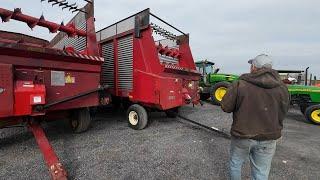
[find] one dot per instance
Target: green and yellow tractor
(308, 99)
(305, 96)
(213, 85)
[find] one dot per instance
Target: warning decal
(69, 79)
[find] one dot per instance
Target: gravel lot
(166, 149)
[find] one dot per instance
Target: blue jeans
(259, 153)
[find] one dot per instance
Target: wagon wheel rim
(133, 118)
(315, 115)
(220, 92)
(74, 123)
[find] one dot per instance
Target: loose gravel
(166, 149)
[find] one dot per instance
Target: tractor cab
(213, 84)
(206, 68)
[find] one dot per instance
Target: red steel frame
(27, 67)
(156, 85)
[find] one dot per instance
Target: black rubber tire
(309, 111)
(142, 117)
(172, 113)
(93, 111)
(80, 120)
(303, 108)
(204, 96)
(214, 88)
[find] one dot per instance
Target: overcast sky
(228, 32)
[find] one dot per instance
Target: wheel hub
(74, 123)
(220, 92)
(315, 115)
(133, 118)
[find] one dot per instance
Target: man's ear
(253, 68)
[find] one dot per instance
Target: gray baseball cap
(261, 61)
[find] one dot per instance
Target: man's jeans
(260, 154)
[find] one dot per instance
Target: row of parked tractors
(214, 85)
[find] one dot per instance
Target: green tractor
(213, 84)
(308, 99)
(306, 96)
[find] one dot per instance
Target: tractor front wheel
(218, 91)
(303, 108)
(80, 120)
(312, 114)
(137, 117)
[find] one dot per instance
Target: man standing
(259, 102)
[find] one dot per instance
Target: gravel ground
(166, 149)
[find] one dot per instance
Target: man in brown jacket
(259, 102)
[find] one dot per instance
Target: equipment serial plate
(57, 78)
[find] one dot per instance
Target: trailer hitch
(214, 129)
(55, 167)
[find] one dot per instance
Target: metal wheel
(218, 91)
(315, 115)
(312, 114)
(133, 118)
(137, 117)
(80, 120)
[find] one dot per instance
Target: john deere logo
(1, 90)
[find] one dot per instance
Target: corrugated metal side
(125, 62)
(108, 65)
(79, 43)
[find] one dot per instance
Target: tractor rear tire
(217, 92)
(80, 120)
(303, 108)
(312, 114)
(172, 113)
(137, 117)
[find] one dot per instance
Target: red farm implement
(144, 73)
(49, 80)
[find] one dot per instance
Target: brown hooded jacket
(259, 102)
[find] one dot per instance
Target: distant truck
(212, 84)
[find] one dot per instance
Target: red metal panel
(26, 95)
(72, 83)
(6, 91)
(157, 86)
(171, 96)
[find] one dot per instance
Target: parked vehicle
(213, 85)
(145, 74)
(41, 80)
